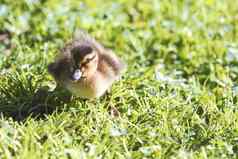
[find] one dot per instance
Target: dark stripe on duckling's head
(79, 52)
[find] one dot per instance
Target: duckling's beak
(77, 74)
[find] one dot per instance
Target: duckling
(85, 67)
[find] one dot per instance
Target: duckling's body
(86, 68)
(94, 87)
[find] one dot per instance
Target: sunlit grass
(177, 99)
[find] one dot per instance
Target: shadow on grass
(23, 97)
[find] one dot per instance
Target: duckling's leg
(114, 112)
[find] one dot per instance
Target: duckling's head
(85, 62)
(81, 64)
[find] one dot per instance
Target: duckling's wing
(110, 58)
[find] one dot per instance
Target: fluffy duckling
(85, 67)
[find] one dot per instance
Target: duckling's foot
(114, 112)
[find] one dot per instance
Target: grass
(178, 98)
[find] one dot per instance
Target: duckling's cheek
(82, 69)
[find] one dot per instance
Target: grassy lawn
(177, 99)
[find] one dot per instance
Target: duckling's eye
(88, 60)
